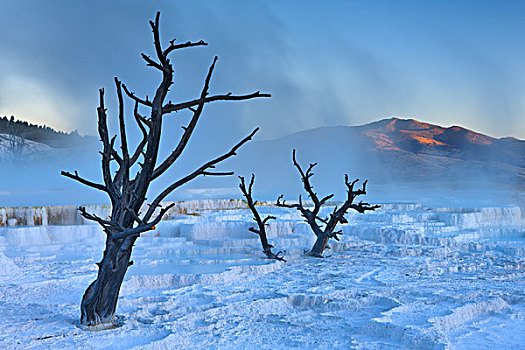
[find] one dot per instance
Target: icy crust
(238, 229)
(7, 266)
(224, 273)
(43, 235)
(404, 277)
(483, 217)
(463, 314)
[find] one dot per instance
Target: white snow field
(404, 277)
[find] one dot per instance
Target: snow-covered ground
(15, 146)
(404, 277)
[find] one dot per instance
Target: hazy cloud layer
(336, 63)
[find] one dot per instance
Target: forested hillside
(40, 133)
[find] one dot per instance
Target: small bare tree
(128, 193)
(337, 216)
(261, 223)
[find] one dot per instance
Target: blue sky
(325, 62)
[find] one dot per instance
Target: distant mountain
(42, 134)
(391, 153)
(22, 142)
(409, 135)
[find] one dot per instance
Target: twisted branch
(261, 223)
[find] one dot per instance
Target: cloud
(38, 101)
(336, 65)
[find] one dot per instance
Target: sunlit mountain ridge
(392, 153)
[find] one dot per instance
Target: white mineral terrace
(404, 277)
(69, 215)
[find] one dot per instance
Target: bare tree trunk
(100, 299)
(336, 217)
(261, 224)
(319, 246)
(128, 193)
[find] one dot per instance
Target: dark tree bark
(127, 193)
(261, 223)
(337, 216)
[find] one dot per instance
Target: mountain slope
(42, 134)
(456, 142)
(391, 153)
(13, 148)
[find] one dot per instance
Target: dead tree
(127, 193)
(337, 216)
(261, 223)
